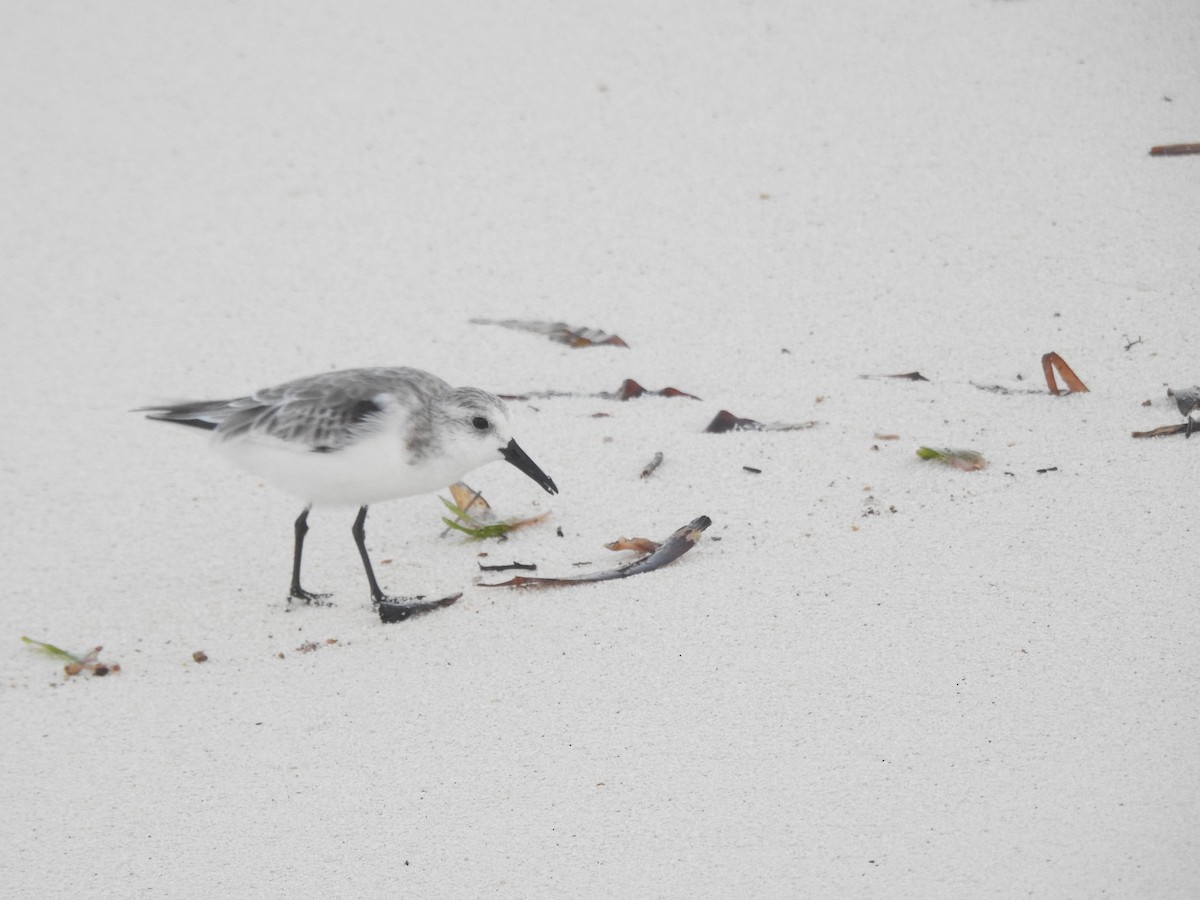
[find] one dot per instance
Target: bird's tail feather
(207, 414)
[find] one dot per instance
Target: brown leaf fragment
(200, 656)
(1175, 150)
(727, 421)
(637, 545)
(679, 543)
(1051, 362)
(558, 331)
(886, 437)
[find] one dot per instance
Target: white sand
(989, 692)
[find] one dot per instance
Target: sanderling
(357, 437)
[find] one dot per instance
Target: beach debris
(199, 656)
(727, 421)
(1051, 362)
(1175, 150)
(886, 437)
(1047, 469)
(478, 530)
(312, 646)
(504, 567)
(679, 543)
(75, 663)
(752, 470)
(629, 390)
(404, 607)
(558, 331)
(964, 460)
(649, 468)
(902, 376)
(1163, 431)
(473, 515)
(637, 545)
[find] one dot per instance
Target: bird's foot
(397, 609)
(308, 598)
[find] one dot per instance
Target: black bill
(518, 457)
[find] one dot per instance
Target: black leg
(297, 592)
(390, 609)
(360, 540)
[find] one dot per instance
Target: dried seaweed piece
(652, 465)
(1052, 361)
(965, 460)
(1175, 150)
(727, 421)
(679, 543)
(558, 331)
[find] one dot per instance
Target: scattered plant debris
(1051, 362)
(402, 608)
(752, 470)
(886, 437)
(727, 421)
(966, 460)
(88, 662)
(1047, 469)
(1175, 150)
(1129, 345)
(629, 390)
(311, 646)
(679, 543)
(558, 331)
(200, 656)
(478, 530)
(504, 567)
(474, 516)
(652, 465)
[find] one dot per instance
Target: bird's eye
(480, 423)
